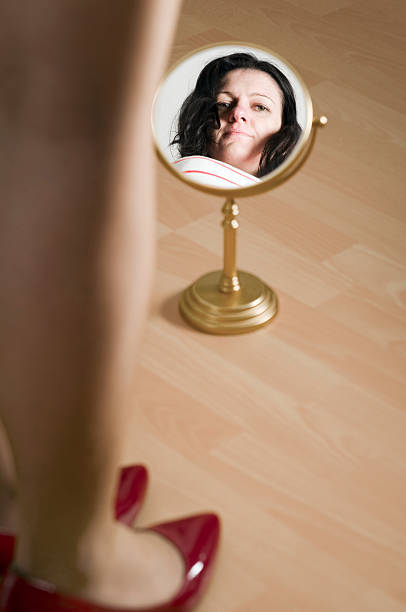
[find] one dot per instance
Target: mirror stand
(228, 301)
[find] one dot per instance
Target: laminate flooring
(295, 434)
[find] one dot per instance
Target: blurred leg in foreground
(76, 255)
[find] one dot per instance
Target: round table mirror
(232, 119)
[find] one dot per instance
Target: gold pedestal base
(208, 309)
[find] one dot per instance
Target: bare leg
(8, 496)
(76, 254)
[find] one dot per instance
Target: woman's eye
(223, 105)
(260, 107)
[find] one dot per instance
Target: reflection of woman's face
(250, 111)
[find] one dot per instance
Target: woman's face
(250, 109)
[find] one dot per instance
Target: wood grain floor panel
(295, 434)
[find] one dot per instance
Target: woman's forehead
(251, 80)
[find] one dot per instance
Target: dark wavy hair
(199, 115)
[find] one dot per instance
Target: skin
(250, 110)
(77, 223)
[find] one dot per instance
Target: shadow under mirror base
(208, 309)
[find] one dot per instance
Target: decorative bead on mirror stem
(229, 281)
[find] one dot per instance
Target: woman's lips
(239, 132)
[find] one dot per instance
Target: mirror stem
(229, 281)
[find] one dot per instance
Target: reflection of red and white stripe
(213, 172)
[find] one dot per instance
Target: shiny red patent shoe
(130, 495)
(7, 543)
(195, 537)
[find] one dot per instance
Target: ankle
(138, 568)
(8, 507)
(70, 562)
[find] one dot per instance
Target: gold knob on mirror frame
(320, 121)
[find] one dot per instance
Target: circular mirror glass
(232, 118)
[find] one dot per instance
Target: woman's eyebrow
(263, 95)
(229, 93)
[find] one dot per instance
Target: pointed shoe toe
(195, 537)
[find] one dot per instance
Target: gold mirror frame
(229, 301)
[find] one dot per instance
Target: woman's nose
(238, 113)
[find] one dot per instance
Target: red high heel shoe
(195, 537)
(130, 494)
(129, 498)
(7, 543)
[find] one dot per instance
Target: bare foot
(146, 570)
(131, 568)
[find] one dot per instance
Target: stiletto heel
(195, 537)
(130, 495)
